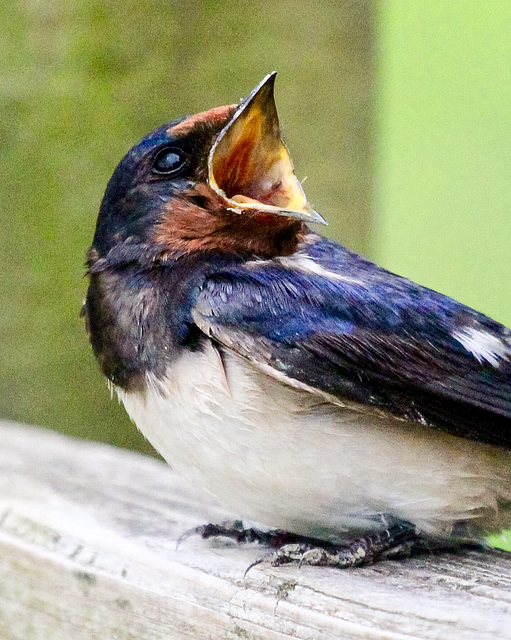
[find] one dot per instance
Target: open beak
(249, 166)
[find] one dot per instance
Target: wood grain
(88, 550)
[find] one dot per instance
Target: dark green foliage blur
(80, 82)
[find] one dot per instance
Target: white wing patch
(483, 345)
(304, 264)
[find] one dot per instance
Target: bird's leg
(419, 545)
(399, 539)
(365, 550)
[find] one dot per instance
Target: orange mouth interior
(249, 165)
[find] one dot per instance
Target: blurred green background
(397, 112)
(443, 138)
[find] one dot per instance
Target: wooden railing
(88, 551)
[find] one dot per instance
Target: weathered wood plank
(87, 550)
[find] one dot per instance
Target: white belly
(292, 460)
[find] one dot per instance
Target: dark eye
(169, 161)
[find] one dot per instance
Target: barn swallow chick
(302, 386)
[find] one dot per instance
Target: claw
(194, 531)
(255, 563)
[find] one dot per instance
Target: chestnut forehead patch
(215, 115)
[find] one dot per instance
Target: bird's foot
(397, 541)
(235, 530)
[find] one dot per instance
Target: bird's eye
(169, 161)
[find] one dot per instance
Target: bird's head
(218, 180)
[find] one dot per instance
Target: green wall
(443, 162)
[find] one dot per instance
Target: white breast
(292, 460)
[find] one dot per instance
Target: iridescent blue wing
(338, 324)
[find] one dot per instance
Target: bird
(345, 411)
